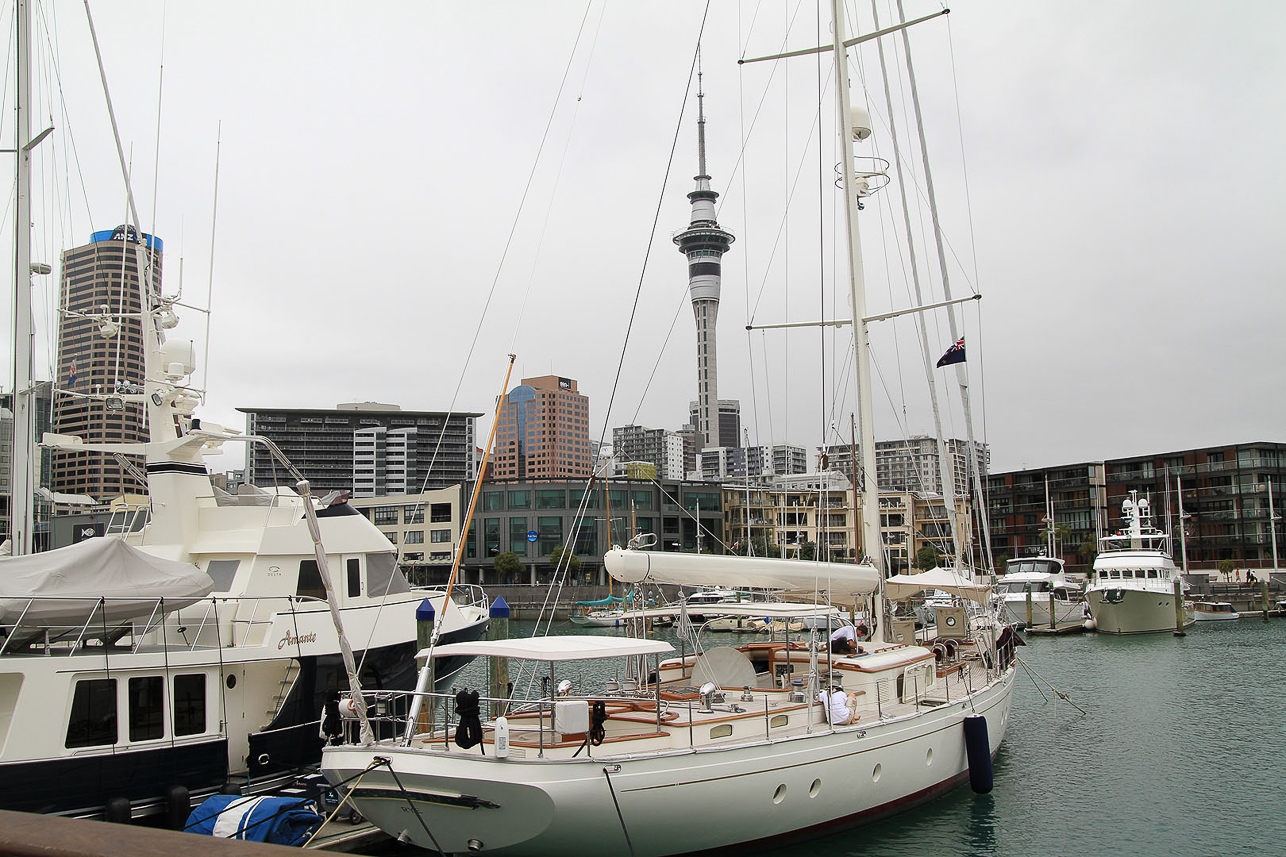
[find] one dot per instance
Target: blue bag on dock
(278, 820)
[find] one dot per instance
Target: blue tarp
(279, 820)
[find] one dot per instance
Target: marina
(481, 631)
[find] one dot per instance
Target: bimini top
(633, 566)
(902, 586)
(582, 648)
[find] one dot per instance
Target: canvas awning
(899, 587)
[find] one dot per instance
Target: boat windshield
(1013, 588)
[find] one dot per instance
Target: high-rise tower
(704, 242)
(100, 352)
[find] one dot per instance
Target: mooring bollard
(1264, 584)
(1178, 608)
(1053, 617)
(1029, 621)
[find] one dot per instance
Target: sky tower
(704, 242)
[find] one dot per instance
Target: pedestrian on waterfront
(1250, 576)
(1238, 575)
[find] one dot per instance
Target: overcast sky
(1109, 177)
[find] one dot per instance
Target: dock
(1059, 628)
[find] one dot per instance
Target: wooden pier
(1059, 628)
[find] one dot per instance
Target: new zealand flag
(955, 354)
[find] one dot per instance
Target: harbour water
(1181, 751)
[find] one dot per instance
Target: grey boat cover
(61, 587)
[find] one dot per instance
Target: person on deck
(841, 707)
(844, 641)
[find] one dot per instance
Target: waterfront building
(424, 526)
(704, 242)
(100, 353)
(543, 432)
(911, 464)
(662, 447)
(369, 448)
(1225, 504)
(786, 459)
(533, 518)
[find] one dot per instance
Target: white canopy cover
(580, 648)
(687, 569)
(903, 586)
(60, 587)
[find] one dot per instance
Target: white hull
(1139, 611)
(791, 788)
(1202, 616)
(597, 621)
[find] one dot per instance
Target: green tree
(1088, 550)
(556, 559)
(1226, 568)
(927, 557)
(807, 550)
(509, 566)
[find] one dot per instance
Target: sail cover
(685, 569)
(903, 586)
(62, 587)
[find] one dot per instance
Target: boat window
(354, 568)
(1115, 574)
(1041, 586)
(383, 577)
(310, 582)
(93, 714)
(723, 730)
(1027, 566)
(146, 708)
(222, 571)
(189, 704)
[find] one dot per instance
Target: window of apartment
(93, 714)
(551, 499)
(414, 515)
(518, 536)
(493, 501)
(440, 513)
(384, 515)
(146, 708)
(189, 704)
(413, 537)
(440, 536)
(490, 536)
(642, 500)
(520, 500)
(471, 542)
(549, 531)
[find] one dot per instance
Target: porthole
(231, 682)
(815, 789)
(779, 795)
(723, 730)
(875, 774)
(779, 720)
(928, 757)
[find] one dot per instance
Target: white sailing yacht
(735, 747)
(1133, 591)
(193, 644)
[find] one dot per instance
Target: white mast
(1272, 524)
(857, 127)
(1183, 528)
(22, 481)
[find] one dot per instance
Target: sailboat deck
(634, 725)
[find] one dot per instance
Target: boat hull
(1134, 611)
(662, 804)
